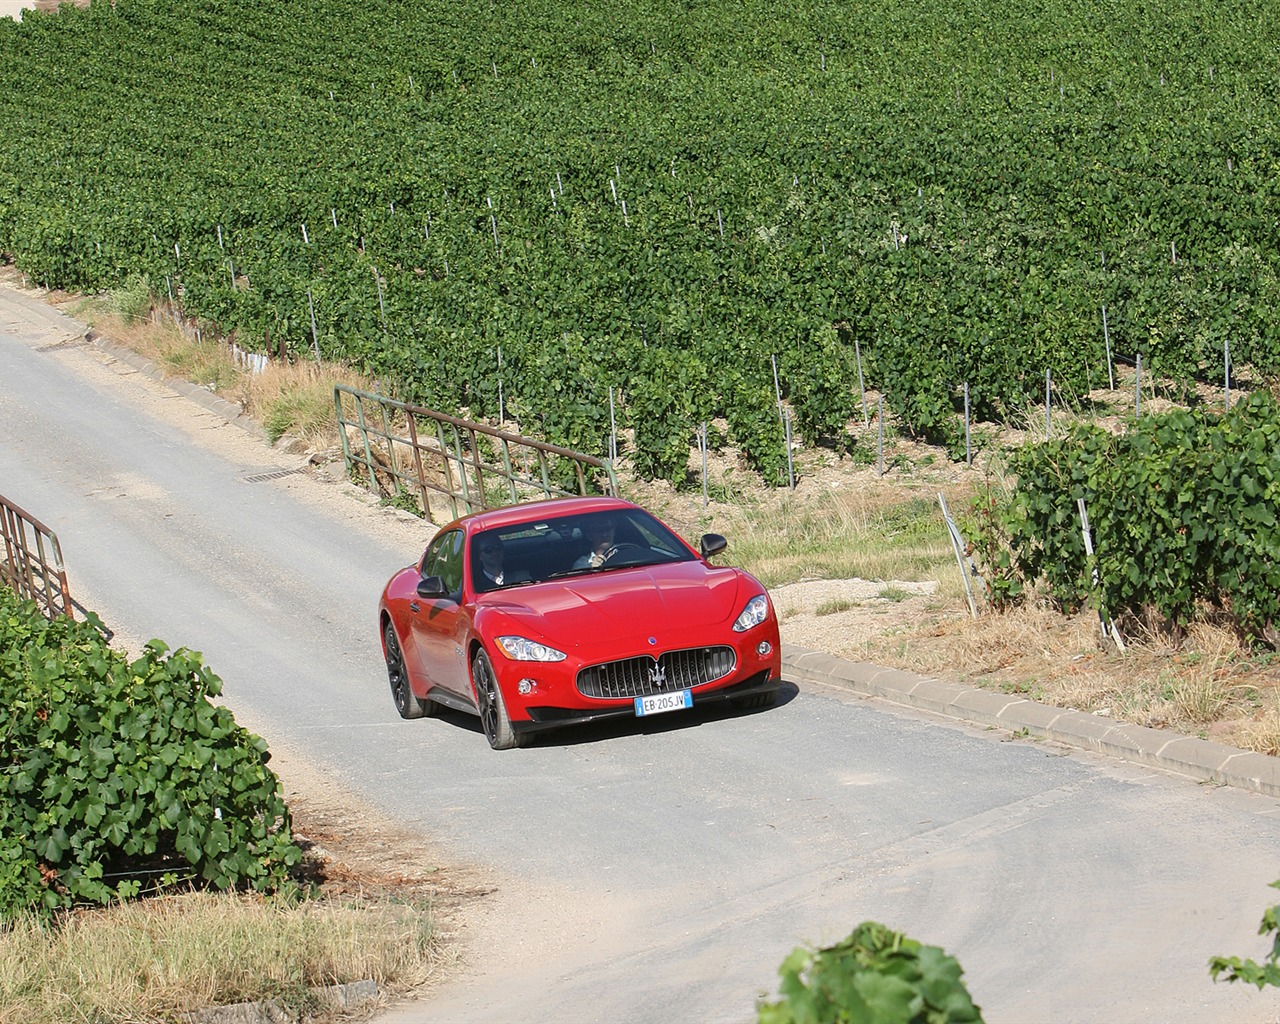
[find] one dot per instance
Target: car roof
(511, 515)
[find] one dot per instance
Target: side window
(450, 566)
(444, 559)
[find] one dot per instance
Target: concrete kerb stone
(75, 331)
(1200, 759)
(354, 996)
(206, 399)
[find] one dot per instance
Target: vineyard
(667, 214)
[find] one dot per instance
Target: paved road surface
(649, 873)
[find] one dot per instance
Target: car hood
(606, 607)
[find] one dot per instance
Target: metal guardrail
(404, 449)
(32, 565)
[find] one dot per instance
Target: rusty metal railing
(32, 566)
(402, 449)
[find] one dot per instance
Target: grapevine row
(667, 204)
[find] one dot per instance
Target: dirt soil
(353, 849)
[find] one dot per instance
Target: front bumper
(542, 718)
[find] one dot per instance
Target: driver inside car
(599, 532)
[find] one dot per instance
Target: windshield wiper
(574, 572)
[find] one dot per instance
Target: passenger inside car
(489, 567)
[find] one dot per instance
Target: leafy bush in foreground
(114, 773)
(1233, 968)
(875, 976)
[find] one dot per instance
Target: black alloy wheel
(406, 702)
(493, 709)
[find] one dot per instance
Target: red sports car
(556, 612)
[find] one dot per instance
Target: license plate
(657, 703)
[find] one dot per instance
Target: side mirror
(712, 544)
(432, 587)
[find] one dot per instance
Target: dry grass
(287, 398)
(1207, 685)
(296, 399)
(155, 959)
(874, 532)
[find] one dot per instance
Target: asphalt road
(653, 872)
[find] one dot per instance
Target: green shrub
(115, 774)
(132, 300)
(1233, 968)
(674, 397)
(1182, 509)
(875, 976)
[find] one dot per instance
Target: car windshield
(554, 548)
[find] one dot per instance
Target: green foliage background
(115, 775)
(959, 185)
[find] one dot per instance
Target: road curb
(75, 331)
(203, 397)
(1203, 760)
(353, 997)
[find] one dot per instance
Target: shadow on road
(616, 728)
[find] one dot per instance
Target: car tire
(756, 700)
(493, 709)
(406, 701)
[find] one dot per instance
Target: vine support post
(382, 306)
(880, 436)
(968, 446)
(786, 429)
(862, 387)
(958, 546)
(702, 447)
(1137, 387)
(1106, 338)
(1048, 404)
(315, 338)
(613, 428)
(1226, 374)
(1107, 625)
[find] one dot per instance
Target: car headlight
(756, 611)
(518, 648)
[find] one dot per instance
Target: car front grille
(674, 670)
